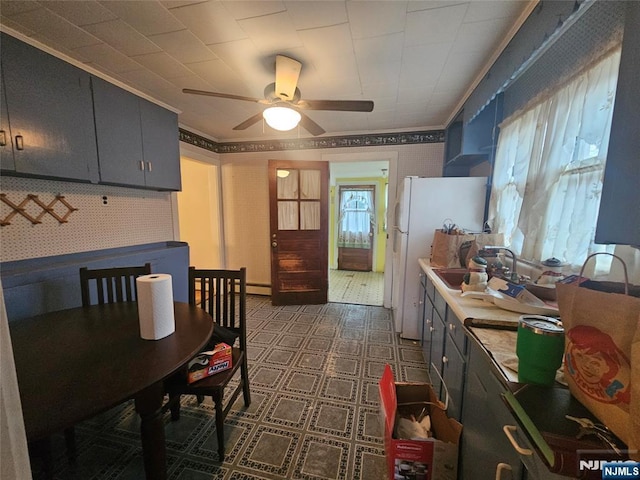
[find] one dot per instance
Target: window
(549, 167)
(357, 216)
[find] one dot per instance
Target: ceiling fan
(283, 98)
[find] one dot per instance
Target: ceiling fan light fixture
(281, 118)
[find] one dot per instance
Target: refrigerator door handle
(396, 233)
(396, 217)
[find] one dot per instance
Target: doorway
(199, 213)
(356, 227)
(357, 263)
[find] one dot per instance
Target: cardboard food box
(434, 458)
(209, 363)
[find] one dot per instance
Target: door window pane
(310, 184)
(309, 215)
(287, 215)
(287, 181)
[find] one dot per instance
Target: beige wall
(199, 213)
(245, 200)
(245, 192)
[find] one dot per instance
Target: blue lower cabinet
(454, 366)
(485, 450)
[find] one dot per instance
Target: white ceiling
(417, 60)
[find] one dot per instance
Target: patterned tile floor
(362, 288)
(314, 413)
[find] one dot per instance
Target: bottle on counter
(475, 280)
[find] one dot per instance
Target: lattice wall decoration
(46, 208)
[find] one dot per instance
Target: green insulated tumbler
(539, 346)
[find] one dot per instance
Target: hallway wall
(199, 213)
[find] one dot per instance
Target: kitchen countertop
(501, 346)
(495, 329)
(471, 311)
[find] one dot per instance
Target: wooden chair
(108, 285)
(221, 293)
(111, 284)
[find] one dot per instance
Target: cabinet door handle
(3, 138)
(142, 165)
(508, 429)
(501, 467)
(431, 329)
(452, 327)
(19, 142)
(149, 166)
(445, 359)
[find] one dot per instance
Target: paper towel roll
(155, 306)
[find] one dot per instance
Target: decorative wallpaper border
(367, 140)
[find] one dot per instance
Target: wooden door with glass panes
(298, 198)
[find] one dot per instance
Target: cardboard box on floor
(429, 459)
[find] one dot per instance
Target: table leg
(154, 450)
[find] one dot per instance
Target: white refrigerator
(422, 206)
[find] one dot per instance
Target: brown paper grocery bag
(481, 240)
(445, 250)
(602, 356)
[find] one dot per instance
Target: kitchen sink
(452, 277)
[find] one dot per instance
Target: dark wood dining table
(74, 364)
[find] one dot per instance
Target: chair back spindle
(111, 285)
(221, 293)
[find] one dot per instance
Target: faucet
(514, 275)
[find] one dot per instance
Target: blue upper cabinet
(6, 139)
(471, 141)
(160, 146)
(58, 121)
(47, 115)
(619, 217)
(117, 116)
(137, 139)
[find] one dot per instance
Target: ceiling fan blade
(337, 105)
(287, 74)
(222, 95)
(310, 126)
(249, 121)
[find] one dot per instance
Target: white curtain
(356, 217)
(549, 167)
